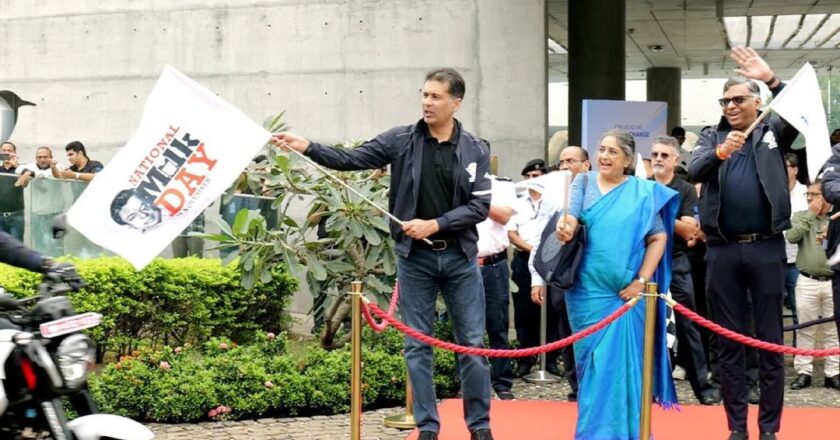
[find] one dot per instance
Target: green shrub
(170, 302)
(258, 379)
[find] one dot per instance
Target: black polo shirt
(91, 166)
(744, 207)
(11, 196)
(437, 178)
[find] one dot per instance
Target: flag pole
(353, 190)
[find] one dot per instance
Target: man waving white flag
(189, 148)
(800, 104)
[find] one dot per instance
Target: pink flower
(270, 336)
(178, 349)
(212, 413)
(223, 346)
(165, 365)
(268, 384)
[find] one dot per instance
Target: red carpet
(543, 420)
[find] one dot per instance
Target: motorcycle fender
(6, 349)
(96, 426)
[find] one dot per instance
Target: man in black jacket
(744, 208)
(440, 190)
(831, 193)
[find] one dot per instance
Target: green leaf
(372, 236)
(316, 268)
(282, 162)
(240, 222)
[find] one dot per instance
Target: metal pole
(647, 374)
(406, 420)
(542, 376)
(356, 362)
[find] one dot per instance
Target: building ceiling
(694, 36)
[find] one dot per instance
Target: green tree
(352, 244)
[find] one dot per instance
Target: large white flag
(800, 104)
(189, 148)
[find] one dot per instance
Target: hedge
(221, 380)
(170, 302)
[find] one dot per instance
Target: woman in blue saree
(627, 246)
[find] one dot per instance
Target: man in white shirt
(47, 199)
(493, 243)
(797, 203)
(532, 214)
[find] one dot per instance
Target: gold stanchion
(405, 420)
(356, 362)
(647, 374)
(494, 164)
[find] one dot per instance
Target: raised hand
(751, 64)
(288, 141)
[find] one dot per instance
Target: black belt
(10, 213)
(750, 238)
(439, 244)
(492, 259)
(815, 277)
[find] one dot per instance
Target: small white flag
(641, 172)
(800, 104)
(190, 146)
(553, 186)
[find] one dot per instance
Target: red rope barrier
(746, 340)
(526, 352)
(379, 327)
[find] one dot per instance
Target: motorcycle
(44, 363)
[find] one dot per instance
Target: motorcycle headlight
(74, 354)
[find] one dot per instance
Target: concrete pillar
(596, 56)
(665, 84)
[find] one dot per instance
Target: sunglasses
(657, 154)
(738, 100)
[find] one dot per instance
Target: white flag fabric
(800, 104)
(553, 186)
(640, 172)
(190, 147)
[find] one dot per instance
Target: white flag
(640, 172)
(800, 104)
(554, 188)
(190, 146)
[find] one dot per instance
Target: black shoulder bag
(558, 262)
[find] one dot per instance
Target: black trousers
(526, 314)
(564, 330)
(734, 269)
(689, 344)
(835, 295)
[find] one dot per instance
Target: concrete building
(342, 69)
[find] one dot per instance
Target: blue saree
(609, 363)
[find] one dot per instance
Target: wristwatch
(642, 280)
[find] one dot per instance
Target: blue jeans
(496, 278)
(12, 223)
(421, 276)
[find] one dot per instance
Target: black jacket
(14, 253)
(830, 175)
(705, 168)
(402, 147)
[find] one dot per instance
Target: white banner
(800, 104)
(189, 148)
(644, 120)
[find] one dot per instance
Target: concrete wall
(342, 69)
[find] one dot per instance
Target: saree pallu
(609, 363)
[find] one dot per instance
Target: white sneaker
(678, 373)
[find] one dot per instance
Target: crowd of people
(734, 230)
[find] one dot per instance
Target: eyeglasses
(568, 161)
(738, 100)
(532, 175)
(657, 154)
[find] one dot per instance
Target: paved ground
(338, 427)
